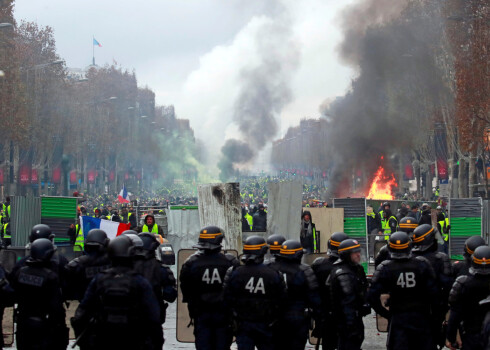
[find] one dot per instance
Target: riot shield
(8, 258)
(8, 326)
(381, 322)
(379, 242)
(70, 312)
(308, 259)
(185, 331)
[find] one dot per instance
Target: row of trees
(101, 130)
(419, 104)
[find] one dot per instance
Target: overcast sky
(190, 52)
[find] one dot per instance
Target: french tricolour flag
(123, 195)
(112, 228)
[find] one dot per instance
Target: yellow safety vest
(123, 218)
(79, 241)
(250, 220)
(5, 227)
(6, 210)
(154, 229)
(385, 225)
(314, 239)
(444, 223)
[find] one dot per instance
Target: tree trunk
(416, 168)
(461, 178)
(16, 186)
(6, 171)
(472, 174)
(401, 182)
(450, 169)
(428, 182)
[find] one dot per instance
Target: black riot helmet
(408, 224)
(347, 247)
(480, 261)
(334, 243)
(471, 244)
(210, 238)
(291, 250)
(42, 250)
(399, 245)
(423, 238)
(150, 242)
(41, 231)
(96, 241)
(275, 242)
(137, 243)
(121, 249)
(254, 249)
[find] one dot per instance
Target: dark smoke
(358, 18)
(234, 151)
(264, 91)
(388, 108)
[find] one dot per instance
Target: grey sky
(189, 51)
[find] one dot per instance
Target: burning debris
(382, 185)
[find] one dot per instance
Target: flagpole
(93, 50)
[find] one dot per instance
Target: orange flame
(382, 186)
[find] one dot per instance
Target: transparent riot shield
(70, 312)
(381, 322)
(8, 258)
(8, 326)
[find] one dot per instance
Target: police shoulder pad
(318, 261)
(304, 267)
(422, 259)
(441, 256)
(383, 264)
(461, 279)
(73, 264)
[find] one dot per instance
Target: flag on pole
(112, 228)
(123, 195)
(96, 43)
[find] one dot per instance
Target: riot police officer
(119, 309)
(462, 267)
(325, 326)
(348, 285)
(425, 244)
(160, 276)
(255, 293)
(40, 313)
(58, 262)
(411, 285)
(274, 242)
(302, 294)
(201, 282)
(407, 225)
(81, 270)
(466, 293)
